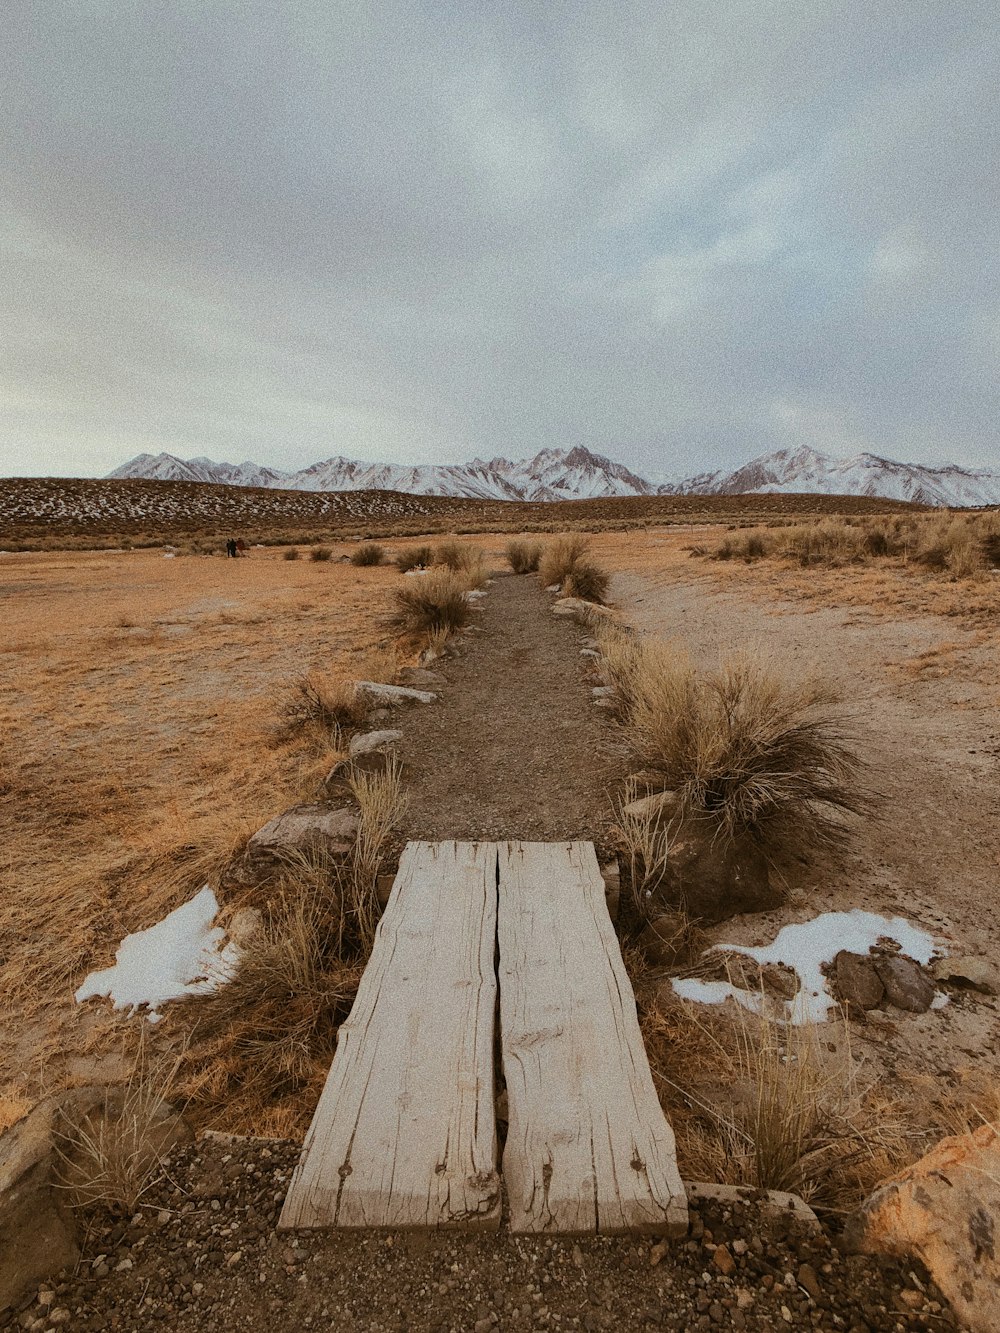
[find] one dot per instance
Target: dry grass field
(141, 740)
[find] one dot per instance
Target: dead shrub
(523, 556)
(433, 605)
(291, 554)
(558, 558)
(368, 553)
(754, 752)
(451, 554)
(321, 553)
(588, 582)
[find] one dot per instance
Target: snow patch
(805, 947)
(180, 955)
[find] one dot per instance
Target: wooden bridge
(491, 956)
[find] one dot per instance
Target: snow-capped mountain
(554, 474)
(578, 474)
(805, 470)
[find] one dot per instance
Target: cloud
(425, 231)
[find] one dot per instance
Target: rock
(856, 980)
(906, 984)
(373, 740)
(603, 691)
(570, 606)
(809, 1282)
(665, 939)
(776, 1203)
(320, 826)
(945, 1209)
(710, 879)
(589, 652)
(394, 694)
(659, 805)
(245, 925)
(979, 973)
(724, 1261)
(420, 677)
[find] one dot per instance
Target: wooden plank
(588, 1146)
(405, 1133)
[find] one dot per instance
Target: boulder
(945, 1210)
(394, 694)
(907, 985)
(320, 826)
(711, 879)
(369, 741)
(603, 691)
(979, 973)
(856, 981)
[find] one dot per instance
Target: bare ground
(921, 695)
(516, 747)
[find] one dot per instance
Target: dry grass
(748, 748)
(368, 553)
(138, 759)
(559, 557)
(646, 840)
(587, 581)
(291, 554)
(321, 554)
(755, 1102)
(415, 557)
(523, 556)
(329, 705)
(433, 605)
(381, 802)
(110, 1158)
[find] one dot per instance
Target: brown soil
(516, 747)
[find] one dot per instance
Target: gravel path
(202, 1256)
(516, 747)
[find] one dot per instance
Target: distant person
(241, 547)
(231, 547)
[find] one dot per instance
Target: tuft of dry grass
(433, 605)
(321, 554)
(381, 802)
(415, 557)
(368, 553)
(291, 554)
(587, 581)
(753, 751)
(559, 557)
(523, 556)
(646, 839)
(110, 1157)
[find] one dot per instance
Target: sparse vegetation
(326, 703)
(745, 747)
(321, 554)
(380, 802)
(415, 557)
(523, 556)
(436, 604)
(587, 581)
(291, 554)
(559, 557)
(369, 553)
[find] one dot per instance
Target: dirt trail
(515, 748)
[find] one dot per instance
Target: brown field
(141, 741)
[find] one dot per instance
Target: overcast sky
(679, 232)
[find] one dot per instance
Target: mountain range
(578, 474)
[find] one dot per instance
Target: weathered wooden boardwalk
(405, 1132)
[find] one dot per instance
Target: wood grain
(588, 1146)
(405, 1133)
